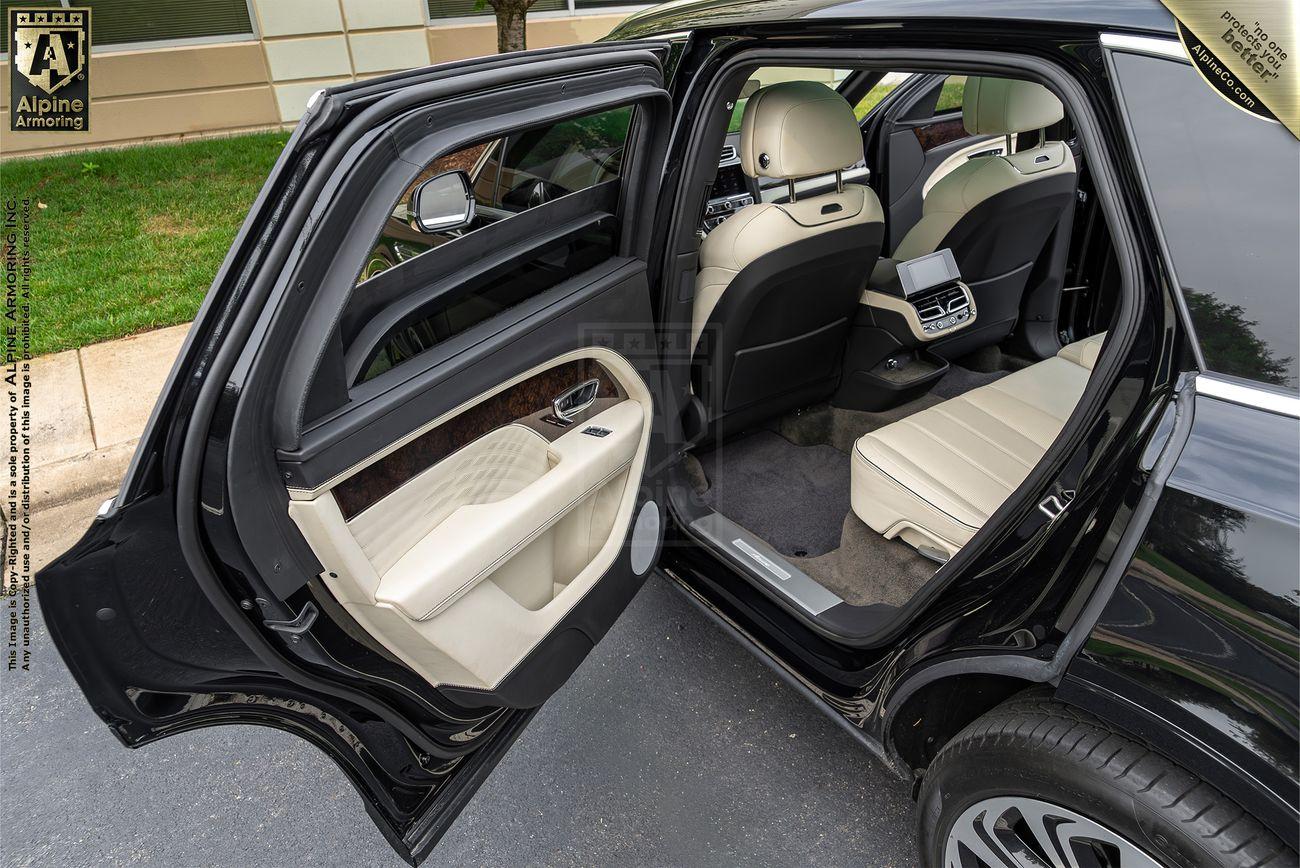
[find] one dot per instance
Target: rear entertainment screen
(927, 272)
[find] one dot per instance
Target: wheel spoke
(1023, 832)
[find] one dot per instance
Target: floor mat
(794, 497)
(960, 380)
(867, 568)
(840, 428)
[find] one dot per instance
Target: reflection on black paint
(1229, 342)
(1201, 538)
(1198, 623)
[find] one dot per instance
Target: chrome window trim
(1247, 394)
(1171, 49)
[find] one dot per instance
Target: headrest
(996, 106)
(796, 129)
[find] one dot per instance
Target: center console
(889, 359)
(730, 193)
(928, 295)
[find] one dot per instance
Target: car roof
(679, 15)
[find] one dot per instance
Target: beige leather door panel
(460, 548)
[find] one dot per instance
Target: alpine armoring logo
(50, 71)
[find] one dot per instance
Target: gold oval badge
(1243, 49)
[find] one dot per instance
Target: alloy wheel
(1023, 832)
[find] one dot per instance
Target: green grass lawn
(129, 240)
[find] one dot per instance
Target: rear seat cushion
(933, 478)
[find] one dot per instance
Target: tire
(1031, 757)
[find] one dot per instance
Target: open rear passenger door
(411, 447)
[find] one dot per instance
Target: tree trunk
(511, 16)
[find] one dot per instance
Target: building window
(443, 9)
(468, 8)
(128, 22)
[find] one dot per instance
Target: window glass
(882, 89)
(1225, 187)
(539, 166)
(114, 22)
(950, 95)
(524, 170)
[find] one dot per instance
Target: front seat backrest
(996, 213)
(779, 284)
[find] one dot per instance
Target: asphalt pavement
(671, 745)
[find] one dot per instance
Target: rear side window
(540, 165)
(510, 175)
(1225, 186)
(878, 92)
(951, 94)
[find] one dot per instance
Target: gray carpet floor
(959, 380)
(790, 486)
(793, 497)
(866, 568)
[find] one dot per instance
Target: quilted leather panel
(497, 465)
(940, 473)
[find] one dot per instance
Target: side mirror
(442, 203)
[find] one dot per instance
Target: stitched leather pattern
(489, 469)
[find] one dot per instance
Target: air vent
(729, 155)
(949, 299)
(928, 310)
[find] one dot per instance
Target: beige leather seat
(779, 284)
(995, 213)
(933, 478)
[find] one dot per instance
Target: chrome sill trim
(1168, 48)
(1259, 397)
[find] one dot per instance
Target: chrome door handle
(574, 401)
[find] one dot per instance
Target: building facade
(171, 69)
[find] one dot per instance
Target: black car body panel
(1202, 637)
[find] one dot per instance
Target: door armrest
(475, 539)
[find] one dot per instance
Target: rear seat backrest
(933, 478)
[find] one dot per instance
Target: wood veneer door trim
(515, 403)
(933, 135)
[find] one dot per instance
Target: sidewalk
(89, 407)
